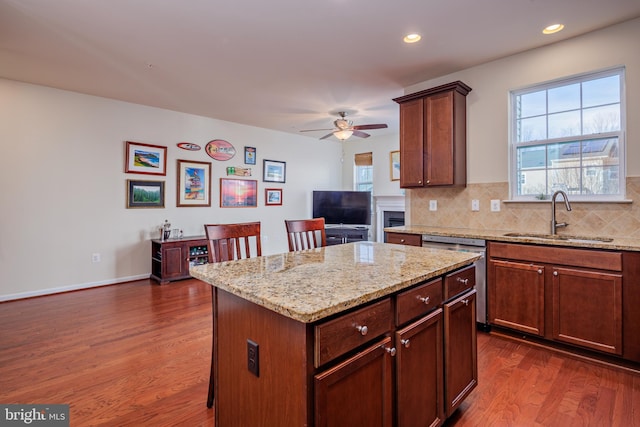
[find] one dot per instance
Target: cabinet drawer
(417, 301)
(459, 281)
(405, 239)
(338, 336)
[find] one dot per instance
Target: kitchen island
(308, 338)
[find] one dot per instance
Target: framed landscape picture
(394, 164)
(274, 171)
(194, 183)
(145, 158)
(145, 194)
(238, 193)
(273, 196)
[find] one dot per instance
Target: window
(569, 135)
(364, 172)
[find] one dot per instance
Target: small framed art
(145, 194)
(274, 171)
(194, 183)
(145, 158)
(273, 196)
(238, 193)
(394, 165)
(249, 155)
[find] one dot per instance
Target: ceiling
(286, 65)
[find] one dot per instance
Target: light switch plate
(495, 205)
(433, 205)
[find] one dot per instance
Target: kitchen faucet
(554, 224)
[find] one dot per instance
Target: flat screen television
(343, 207)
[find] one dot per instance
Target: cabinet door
(587, 309)
(516, 296)
(173, 261)
(412, 143)
(419, 381)
(439, 123)
(460, 350)
(358, 391)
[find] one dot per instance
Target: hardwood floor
(138, 354)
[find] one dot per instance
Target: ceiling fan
(344, 128)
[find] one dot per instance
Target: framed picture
(145, 194)
(274, 171)
(249, 155)
(194, 183)
(238, 193)
(394, 165)
(145, 158)
(273, 196)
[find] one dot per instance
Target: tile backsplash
(454, 210)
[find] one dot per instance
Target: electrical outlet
(475, 205)
(495, 205)
(253, 358)
(95, 257)
(433, 205)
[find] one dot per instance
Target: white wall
(63, 193)
(487, 103)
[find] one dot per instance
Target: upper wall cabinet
(433, 136)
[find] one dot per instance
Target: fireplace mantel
(383, 204)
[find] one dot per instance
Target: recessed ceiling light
(553, 29)
(412, 38)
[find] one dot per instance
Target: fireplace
(389, 213)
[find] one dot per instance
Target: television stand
(341, 234)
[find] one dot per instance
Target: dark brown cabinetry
(574, 296)
(404, 239)
(433, 136)
(171, 258)
(340, 235)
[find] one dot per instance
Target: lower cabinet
(171, 258)
(460, 349)
(364, 382)
(569, 295)
(419, 372)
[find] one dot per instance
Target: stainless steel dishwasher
(469, 245)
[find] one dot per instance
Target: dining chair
(229, 242)
(305, 234)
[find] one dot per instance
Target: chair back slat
(305, 234)
(228, 242)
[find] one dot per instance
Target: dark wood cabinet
(340, 235)
(460, 350)
(516, 296)
(569, 295)
(404, 239)
(433, 136)
(171, 258)
(419, 372)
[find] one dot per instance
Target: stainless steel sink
(562, 237)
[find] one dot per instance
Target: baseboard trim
(76, 287)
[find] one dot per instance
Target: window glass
(568, 135)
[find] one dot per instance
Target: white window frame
(514, 144)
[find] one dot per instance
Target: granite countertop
(579, 241)
(310, 285)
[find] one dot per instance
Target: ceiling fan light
(343, 134)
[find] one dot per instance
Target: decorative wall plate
(219, 149)
(188, 146)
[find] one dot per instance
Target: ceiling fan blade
(327, 135)
(365, 127)
(360, 134)
(315, 130)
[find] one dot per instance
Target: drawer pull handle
(406, 343)
(362, 329)
(463, 281)
(401, 240)
(425, 300)
(391, 351)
